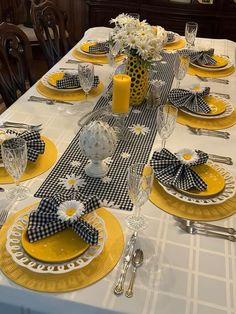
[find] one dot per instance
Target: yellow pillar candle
(121, 93)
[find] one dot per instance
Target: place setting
(63, 243)
(174, 41)
(190, 186)
(70, 85)
(207, 64)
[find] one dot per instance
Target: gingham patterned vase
(139, 80)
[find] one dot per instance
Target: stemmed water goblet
(140, 180)
(181, 66)
(166, 120)
(86, 78)
(14, 157)
(190, 33)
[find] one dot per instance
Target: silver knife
(77, 62)
(119, 286)
(36, 98)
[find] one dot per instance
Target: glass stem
(178, 84)
(163, 144)
(137, 210)
(86, 96)
(17, 182)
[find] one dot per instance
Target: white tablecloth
(181, 273)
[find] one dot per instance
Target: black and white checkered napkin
(170, 170)
(190, 99)
(203, 57)
(72, 81)
(102, 47)
(35, 145)
(45, 221)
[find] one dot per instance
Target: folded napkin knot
(35, 145)
(193, 100)
(102, 47)
(175, 169)
(72, 81)
(60, 212)
(201, 57)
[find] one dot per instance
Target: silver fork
(207, 132)
(29, 127)
(213, 79)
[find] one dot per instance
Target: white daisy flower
(138, 129)
(187, 156)
(75, 163)
(106, 203)
(125, 155)
(106, 179)
(70, 210)
(72, 181)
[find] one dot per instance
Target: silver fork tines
(26, 126)
(3, 216)
(216, 133)
(213, 79)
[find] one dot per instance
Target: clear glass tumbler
(191, 33)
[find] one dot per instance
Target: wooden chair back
(49, 26)
(15, 63)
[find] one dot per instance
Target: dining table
(181, 273)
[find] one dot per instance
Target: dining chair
(50, 29)
(15, 63)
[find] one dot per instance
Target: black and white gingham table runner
(112, 190)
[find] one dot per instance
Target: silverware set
(211, 230)
(49, 101)
(214, 133)
(132, 257)
(77, 62)
(213, 79)
(28, 127)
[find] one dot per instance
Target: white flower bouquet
(138, 37)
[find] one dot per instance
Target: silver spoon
(137, 261)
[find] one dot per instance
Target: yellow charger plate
(214, 180)
(60, 247)
(221, 62)
(85, 48)
(54, 77)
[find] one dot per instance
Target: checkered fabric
(203, 57)
(190, 99)
(35, 145)
(44, 221)
(114, 192)
(72, 81)
(170, 170)
(170, 37)
(102, 47)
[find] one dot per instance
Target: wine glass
(190, 33)
(181, 66)
(86, 78)
(166, 120)
(14, 157)
(140, 180)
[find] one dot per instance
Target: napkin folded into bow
(72, 81)
(175, 170)
(203, 57)
(35, 145)
(191, 99)
(102, 47)
(60, 212)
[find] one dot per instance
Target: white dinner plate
(227, 193)
(229, 65)
(18, 254)
(228, 110)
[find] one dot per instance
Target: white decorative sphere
(98, 140)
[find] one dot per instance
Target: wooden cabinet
(217, 20)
